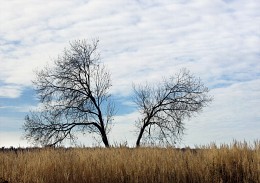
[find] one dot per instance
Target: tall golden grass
(238, 162)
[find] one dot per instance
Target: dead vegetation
(238, 162)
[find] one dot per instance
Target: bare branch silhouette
(75, 97)
(164, 106)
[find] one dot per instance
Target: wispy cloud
(21, 108)
(136, 37)
(10, 91)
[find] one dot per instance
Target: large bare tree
(74, 97)
(164, 106)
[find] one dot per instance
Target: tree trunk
(104, 138)
(140, 136)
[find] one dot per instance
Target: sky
(217, 40)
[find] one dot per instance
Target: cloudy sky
(217, 40)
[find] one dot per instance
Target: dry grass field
(238, 162)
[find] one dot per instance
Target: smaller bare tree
(74, 96)
(164, 106)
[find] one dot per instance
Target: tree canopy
(74, 95)
(164, 106)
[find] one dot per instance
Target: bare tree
(164, 106)
(74, 97)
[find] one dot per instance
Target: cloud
(234, 114)
(10, 91)
(21, 108)
(147, 39)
